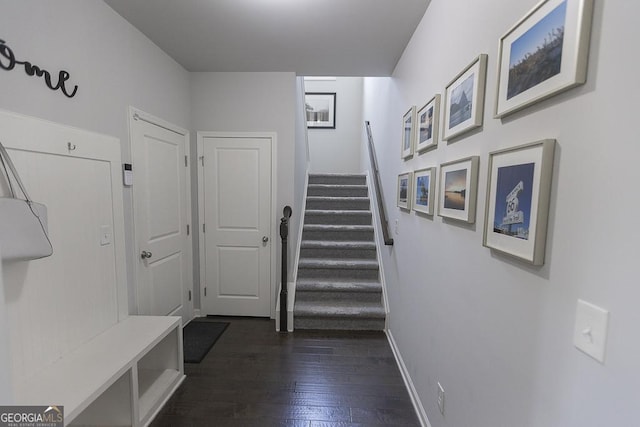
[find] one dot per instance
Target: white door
(162, 215)
(235, 209)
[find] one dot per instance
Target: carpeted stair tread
(336, 285)
(371, 310)
(323, 263)
(339, 186)
(337, 244)
(331, 212)
(337, 179)
(336, 227)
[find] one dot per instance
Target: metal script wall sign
(8, 62)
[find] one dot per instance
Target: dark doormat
(198, 338)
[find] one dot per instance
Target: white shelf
(156, 386)
(83, 376)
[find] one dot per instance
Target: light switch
(105, 235)
(590, 334)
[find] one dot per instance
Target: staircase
(338, 285)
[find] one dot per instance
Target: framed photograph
(424, 190)
(459, 189)
(321, 110)
(545, 53)
(517, 207)
(408, 129)
(404, 190)
(427, 120)
(464, 99)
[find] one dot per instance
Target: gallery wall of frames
(543, 54)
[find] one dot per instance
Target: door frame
(273, 231)
(134, 115)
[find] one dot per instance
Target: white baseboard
(417, 404)
(197, 313)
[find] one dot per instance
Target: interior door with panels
(161, 193)
(235, 211)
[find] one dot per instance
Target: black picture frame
(320, 110)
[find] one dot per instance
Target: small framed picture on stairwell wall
(320, 108)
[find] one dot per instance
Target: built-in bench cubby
(119, 378)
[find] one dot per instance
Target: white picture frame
(427, 124)
(424, 190)
(404, 193)
(408, 133)
(459, 189)
(518, 193)
(543, 54)
(464, 99)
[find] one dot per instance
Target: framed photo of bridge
(459, 189)
(427, 121)
(320, 110)
(543, 54)
(517, 208)
(464, 99)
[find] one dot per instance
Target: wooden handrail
(386, 233)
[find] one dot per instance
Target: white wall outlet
(590, 334)
(396, 228)
(440, 398)
(105, 235)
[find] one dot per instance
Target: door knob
(146, 255)
(265, 239)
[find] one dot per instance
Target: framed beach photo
(404, 190)
(544, 54)
(424, 190)
(464, 99)
(459, 189)
(427, 120)
(321, 110)
(408, 129)
(517, 206)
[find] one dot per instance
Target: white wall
(496, 333)
(250, 102)
(112, 63)
(300, 172)
(338, 150)
(6, 378)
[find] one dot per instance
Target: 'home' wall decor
(8, 62)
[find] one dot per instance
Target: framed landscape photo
(427, 120)
(321, 110)
(464, 99)
(424, 190)
(408, 129)
(545, 53)
(404, 190)
(459, 189)
(517, 206)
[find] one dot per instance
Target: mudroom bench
(121, 377)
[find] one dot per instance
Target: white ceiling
(310, 37)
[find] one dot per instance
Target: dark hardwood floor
(254, 376)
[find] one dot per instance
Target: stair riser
(338, 180)
(337, 191)
(339, 324)
(362, 219)
(356, 297)
(335, 253)
(338, 203)
(337, 273)
(339, 235)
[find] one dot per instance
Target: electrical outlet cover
(590, 334)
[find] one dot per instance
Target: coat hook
(71, 146)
